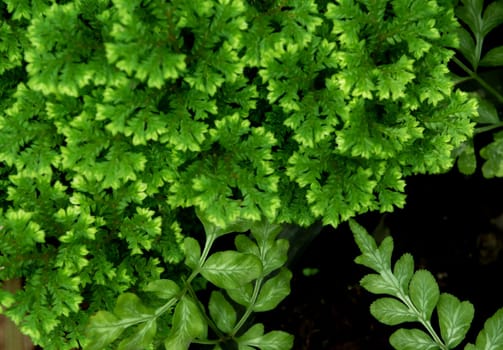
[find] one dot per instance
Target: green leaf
(367, 246)
(275, 254)
(493, 16)
(177, 341)
(188, 320)
(192, 251)
(404, 270)
(391, 311)
(263, 230)
(245, 245)
(231, 269)
(142, 337)
(212, 229)
(164, 289)
(491, 336)
(471, 14)
(255, 331)
(467, 161)
(275, 340)
(129, 308)
(493, 154)
(424, 292)
(493, 58)
(467, 46)
(242, 295)
(222, 312)
(273, 291)
(412, 339)
(455, 318)
(487, 112)
(376, 284)
(104, 327)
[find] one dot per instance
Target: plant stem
(481, 81)
(488, 127)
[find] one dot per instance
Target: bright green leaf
(104, 327)
(491, 337)
(412, 339)
(188, 320)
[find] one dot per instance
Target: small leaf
(273, 291)
(487, 112)
(275, 340)
(467, 46)
(493, 17)
(192, 251)
(231, 269)
(493, 154)
(188, 320)
(245, 245)
(424, 292)
(263, 230)
(471, 14)
(130, 308)
(491, 337)
(241, 295)
(391, 311)
(164, 289)
(177, 341)
(412, 339)
(142, 337)
(467, 161)
(455, 318)
(404, 270)
(255, 331)
(104, 327)
(212, 229)
(222, 312)
(376, 284)
(493, 58)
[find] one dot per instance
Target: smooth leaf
(275, 340)
(142, 337)
(493, 58)
(275, 254)
(467, 46)
(368, 247)
(391, 311)
(177, 341)
(164, 289)
(273, 291)
(222, 312)
(104, 327)
(404, 270)
(491, 336)
(471, 14)
(129, 307)
(212, 229)
(493, 154)
(376, 284)
(245, 245)
(467, 161)
(192, 251)
(263, 230)
(487, 112)
(424, 292)
(455, 318)
(188, 319)
(241, 295)
(255, 331)
(493, 16)
(231, 269)
(412, 339)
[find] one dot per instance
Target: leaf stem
(488, 127)
(477, 78)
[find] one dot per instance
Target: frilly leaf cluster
(117, 114)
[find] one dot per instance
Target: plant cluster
(119, 117)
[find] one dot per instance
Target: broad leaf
(493, 16)
(141, 338)
(130, 309)
(404, 270)
(177, 341)
(245, 245)
(391, 311)
(493, 154)
(471, 14)
(104, 327)
(188, 320)
(222, 312)
(487, 112)
(491, 337)
(241, 295)
(424, 292)
(412, 339)
(231, 269)
(164, 289)
(273, 291)
(455, 318)
(263, 230)
(368, 247)
(275, 340)
(376, 284)
(467, 46)
(467, 161)
(493, 58)
(255, 331)
(214, 230)
(275, 254)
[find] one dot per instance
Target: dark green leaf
(493, 154)
(424, 292)
(493, 58)
(164, 289)
(471, 14)
(231, 269)
(493, 16)
(455, 318)
(391, 311)
(222, 312)
(467, 46)
(273, 291)
(412, 339)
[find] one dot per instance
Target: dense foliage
(118, 115)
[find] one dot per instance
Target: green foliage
(120, 118)
(414, 296)
(250, 279)
(479, 21)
